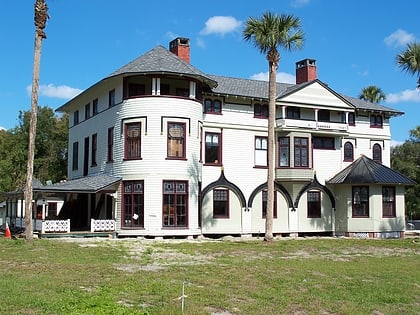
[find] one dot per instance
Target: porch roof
(88, 184)
(366, 171)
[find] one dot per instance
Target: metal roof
(89, 184)
(366, 171)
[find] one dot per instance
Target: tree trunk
(271, 156)
(40, 19)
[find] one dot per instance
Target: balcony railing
(311, 124)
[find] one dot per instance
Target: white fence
(102, 225)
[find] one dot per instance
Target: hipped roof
(366, 171)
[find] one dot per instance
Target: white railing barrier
(102, 225)
(56, 226)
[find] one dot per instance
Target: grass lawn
(229, 276)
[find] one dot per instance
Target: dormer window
(212, 106)
(260, 110)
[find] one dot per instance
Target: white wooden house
(171, 151)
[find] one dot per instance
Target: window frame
(299, 147)
(173, 137)
(211, 108)
(95, 107)
(281, 153)
(110, 145)
(221, 204)
(376, 121)
(111, 98)
(293, 112)
(175, 197)
(322, 143)
(377, 153)
(363, 212)
(264, 196)
(136, 195)
(351, 119)
(348, 152)
(260, 110)
(76, 120)
(75, 156)
(388, 202)
(259, 151)
(218, 161)
(313, 206)
(94, 149)
(87, 111)
(132, 144)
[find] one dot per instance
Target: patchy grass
(233, 276)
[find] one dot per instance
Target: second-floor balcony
(284, 123)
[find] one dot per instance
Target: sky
(354, 42)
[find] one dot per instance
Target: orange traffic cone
(8, 234)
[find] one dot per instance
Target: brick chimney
(305, 70)
(180, 46)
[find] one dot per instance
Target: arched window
(377, 153)
(348, 152)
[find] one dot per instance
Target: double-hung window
(133, 140)
(212, 106)
(176, 140)
(360, 201)
(261, 151)
(133, 207)
(260, 110)
(213, 152)
(301, 149)
(284, 151)
(388, 202)
(110, 145)
(314, 204)
(376, 121)
(175, 203)
(220, 203)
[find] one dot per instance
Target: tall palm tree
(267, 34)
(409, 60)
(372, 94)
(40, 19)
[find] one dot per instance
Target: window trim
(134, 141)
(261, 150)
(75, 156)
(132, 193)
(392, 203)
(376, 121)
(76, 119)
(210, 108)
(94, 149)
(347, 157)
(176, 206)
(311, 213)
(219, 161)
(110, 145)
(174, 124)
(111, 98)
(226, 215)
(300, 146)
(356, 200)
(280, 146)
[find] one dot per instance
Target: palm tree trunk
(271, 156)
(41, 17)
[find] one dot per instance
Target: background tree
(405, 159)
(372, 94)
(50, 156)
(409, 60)
(267, 34)
(41, 16)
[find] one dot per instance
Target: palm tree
(268, 33)
(409, 60)
(40, 18)
(372, 94)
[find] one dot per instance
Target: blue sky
(354, 42)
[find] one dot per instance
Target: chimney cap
(306, 62)
(179, 41)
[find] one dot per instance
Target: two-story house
(167, 150)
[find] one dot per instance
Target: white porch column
(192, 89)
(283, 111)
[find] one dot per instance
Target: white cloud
(399, 38)
(404, 96)
(299, 3)
(282, 77)
(2, 128)
(221, 25)
(60, 91)
(394, 143)
(200, 43)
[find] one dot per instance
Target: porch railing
(102, 225)
(53, 226)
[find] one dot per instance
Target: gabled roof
(160, 60)
(89, 184)
(366, 171)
